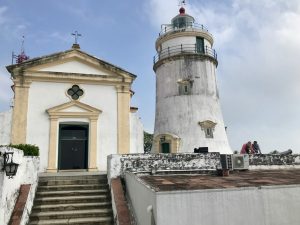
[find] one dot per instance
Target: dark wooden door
(73, 147)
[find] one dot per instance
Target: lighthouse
(188, 115)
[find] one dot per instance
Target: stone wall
(119, 164)
(9, 188)
(272, 161)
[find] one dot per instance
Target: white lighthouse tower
(188, 113)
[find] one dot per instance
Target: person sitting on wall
(256, 147)
(247, 148)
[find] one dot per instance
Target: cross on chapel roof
(76, 35)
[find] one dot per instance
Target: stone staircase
(75, 200)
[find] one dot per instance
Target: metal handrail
(165, 28)
(184, 49)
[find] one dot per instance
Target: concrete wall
(9, 188)
(119, 164)
(142, 199)
(44, 95)
(5, 127)
(136, 134)
(180, 114)
(266, 205)
(247, 206)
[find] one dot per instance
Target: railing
(165, 28)
(184, 49)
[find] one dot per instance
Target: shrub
(29, 150)
(148, 138)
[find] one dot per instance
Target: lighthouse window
(208, 127)
(185, 87)
(209, 133)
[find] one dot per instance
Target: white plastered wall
(5, 127)
(274, 205)
(27, 173)
(189, 40)
(136, 134)
(141, 199)
(180, 114)
(45, 95)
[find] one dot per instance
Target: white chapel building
(75, 108)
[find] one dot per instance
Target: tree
(148, 138)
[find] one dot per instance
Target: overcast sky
(258, 45)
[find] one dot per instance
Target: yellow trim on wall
(123, 98)
(19, 119)
(168, 138)
(52, 153)
(63, 77)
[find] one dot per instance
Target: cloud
(11, 27)
(258, 44)
(85, 12)
(160, 12)
(3, 10)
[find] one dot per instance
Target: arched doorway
(165, 143)
(73, 146)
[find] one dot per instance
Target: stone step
(71, 199)
(76, 199)
(71, 214)
(75, 221)
(72, 206)
(71, 193)
(69, 177)
(71, 182)
(73, 187)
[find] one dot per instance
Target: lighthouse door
(165, 147)
(200, 45)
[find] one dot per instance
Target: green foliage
(29, 150)
(148, 138)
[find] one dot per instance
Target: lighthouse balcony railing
(190, 26)
(185, 49)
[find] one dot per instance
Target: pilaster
(123, 93)
(93, 145)
(19, 120)
(52, 153)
